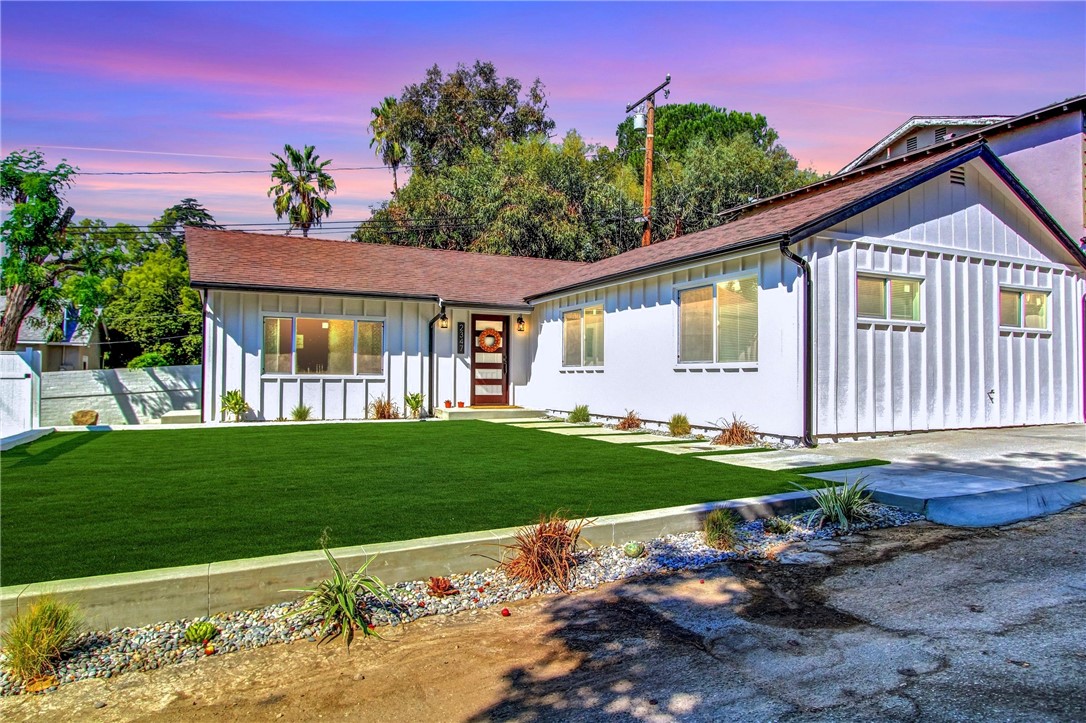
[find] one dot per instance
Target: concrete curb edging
(134, 599)
(29, 435)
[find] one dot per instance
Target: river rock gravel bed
(105, 654)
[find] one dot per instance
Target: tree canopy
(442, 119)
(170, 226)
(44, 266)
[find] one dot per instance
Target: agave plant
(844, 504)
(336, 601)
(201, 632)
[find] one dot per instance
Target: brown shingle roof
(236, 259)
(764, 220)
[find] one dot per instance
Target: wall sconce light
(520, 322)
(443, 320)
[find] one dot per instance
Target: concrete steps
(494, 414)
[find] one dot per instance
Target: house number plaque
(461, 336)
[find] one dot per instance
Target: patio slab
(677, 448)
(573, 431)
(783, 459)
(623, 438)
(545, 425)
(519, 421)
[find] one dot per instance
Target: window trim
(1022, 291)
(888, 320)
(562, 311)
(712, 281)
(294, 316)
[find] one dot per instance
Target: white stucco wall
(233, 355)
(641, 371)
(963, 242)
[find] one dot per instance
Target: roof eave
(434, 298)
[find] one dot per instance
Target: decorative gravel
(107, 654)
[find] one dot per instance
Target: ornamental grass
(37, 638)
(736, 433)
(629, 422)
(544, 552)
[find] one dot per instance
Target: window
(582, 337)
(730, 337)
(876, 296)
(1023, 309)
(340, 347)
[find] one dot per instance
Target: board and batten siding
(233, 355)
(956, 368)
(641, 370)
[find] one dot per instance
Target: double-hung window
(718, 323)
(1021, 309)
(338, 347)
(888, 298)
(582, 337)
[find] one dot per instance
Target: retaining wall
(120, 396)
(141, 598)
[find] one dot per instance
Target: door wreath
(496, 340)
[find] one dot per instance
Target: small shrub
(579, 415)
(720, 529)
(335, 601)
(441, 587)
(148, 359)
(544, 552)
(414, 403)
(678, 425)
(630, 421)
(735, 433)
(777, 526)
(844, 504)
(301, 413)
(200, 632)
(85, 418)
(384, 408)
(233, 402)
(36, 639)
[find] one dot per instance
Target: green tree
(169, 228)
(678, 126)
(300, 186)
(44, 266)
(154, 306)
(442, 119)
(531, 198)
(389, 149)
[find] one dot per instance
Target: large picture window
(582, 337)
(887, 298)
(1020, 309)
(340, 347)
(719, 322)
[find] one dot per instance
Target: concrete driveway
(975, 477)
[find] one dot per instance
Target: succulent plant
(201, 632)
(633, 549)
(441, 587)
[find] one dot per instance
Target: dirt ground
(916, 623)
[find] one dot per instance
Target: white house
(931, 291)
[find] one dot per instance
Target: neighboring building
(1046, 149)
(70, 348)
(927, 292)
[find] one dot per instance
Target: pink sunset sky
(209, 86)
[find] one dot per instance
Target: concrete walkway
(976, 477)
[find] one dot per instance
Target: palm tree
(300, 188)
(389, 149)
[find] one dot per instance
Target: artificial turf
(89, 503)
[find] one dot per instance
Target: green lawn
(91, 503)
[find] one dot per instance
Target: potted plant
(460, 404)
(448, 403)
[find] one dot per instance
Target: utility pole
(649, 99)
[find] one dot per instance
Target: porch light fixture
(443, 320)
(520, 322)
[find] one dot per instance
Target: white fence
(20, 379)
(120, 396)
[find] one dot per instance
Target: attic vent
(910, 145)
(940, 134)
(957, 176)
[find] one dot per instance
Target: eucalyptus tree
(300, 187)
